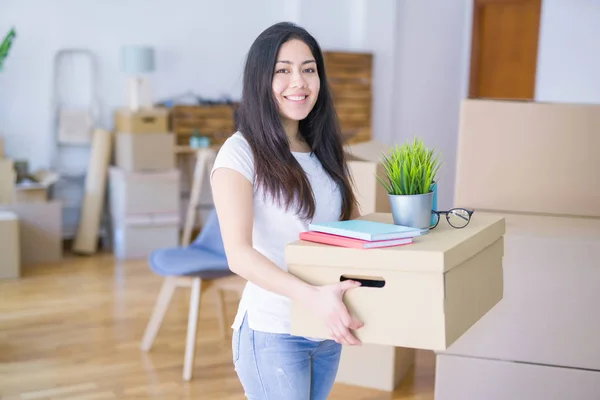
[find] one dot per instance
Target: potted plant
(410, 175)
(5, 46)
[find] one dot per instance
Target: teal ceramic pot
(434, 202)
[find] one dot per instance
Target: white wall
(200, 47)
(381, 37)
(430, 79)
(200, 44)
(360, 25)
(569, 52)
(421, 51)
(431, 70)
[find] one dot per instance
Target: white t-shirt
(273, 228)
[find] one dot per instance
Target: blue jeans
(280, 366)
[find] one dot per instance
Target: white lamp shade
(137, 59)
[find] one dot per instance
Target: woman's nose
(298, 80)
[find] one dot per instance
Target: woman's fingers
(349, 337)
(338, 318)
(355, 324)
(349, 321)
(348, 284)
(336, 334)
(343, 334)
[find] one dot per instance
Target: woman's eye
(309, 70)
(279, 71)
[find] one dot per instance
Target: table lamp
(135, 61)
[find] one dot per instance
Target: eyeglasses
(456, 217)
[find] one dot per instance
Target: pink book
(343, 241)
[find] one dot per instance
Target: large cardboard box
(145, 211)
(141, 193)
(556, 151)
(374, 366)
(40, 231)
(31, 194)
(10, 248)
(36, 192)
(364, 164)
(541, 340)
(155, 120)
(150, 152)
(552, 275)
(466, 378)
(136, 237)
(425, 295)
(7, 181)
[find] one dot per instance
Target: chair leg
(190, 343)
(158, 313)
(221, 315)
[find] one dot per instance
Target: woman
(284, 168)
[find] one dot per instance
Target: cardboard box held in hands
(425, 295)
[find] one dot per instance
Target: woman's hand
(328, 304)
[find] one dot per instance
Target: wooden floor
(72, 331)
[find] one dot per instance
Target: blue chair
(204, 257)
(201, 265)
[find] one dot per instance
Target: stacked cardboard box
(144, 184)
(7, 181)
(10, 263)
(541, 341)
(364, 162)
(10, 257)
(7, 177)
(38, 219)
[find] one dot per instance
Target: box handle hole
(148, 120)
(365, 281)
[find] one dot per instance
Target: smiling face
(296, 81)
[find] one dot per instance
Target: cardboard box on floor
(543, 334)
(10, 252)
(28, 191)
(364, 164)
(143, 193)
(40, 231)
(36, 192)
(145, 211)
(38, 221)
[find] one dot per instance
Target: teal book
(366, 230)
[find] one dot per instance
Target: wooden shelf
(350, 80)
(215, 121)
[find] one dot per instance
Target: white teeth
(295, 98)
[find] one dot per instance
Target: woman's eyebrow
(289, 62)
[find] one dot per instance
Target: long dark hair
(258, 119)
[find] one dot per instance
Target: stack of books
(360, 234)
